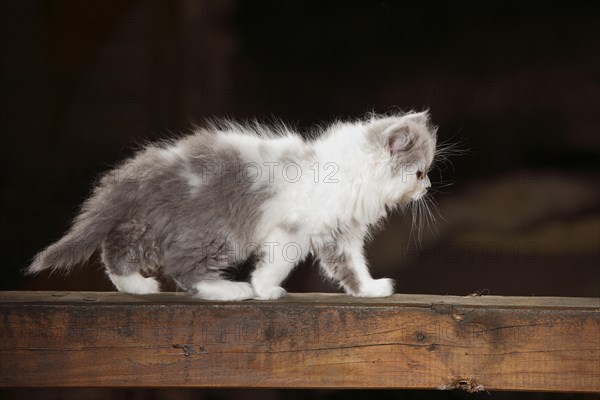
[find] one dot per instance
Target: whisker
(418, 218)
(436, 213)
(437, 210)
(444, 184)
(449, 148)
(412, 225)
(430, 219)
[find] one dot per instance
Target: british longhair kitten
(227, 193)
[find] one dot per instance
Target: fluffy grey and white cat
(196, 206)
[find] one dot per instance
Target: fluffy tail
(90, 227)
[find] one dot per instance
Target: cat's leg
(122, 253)
(199, 270)
(335, 264)
(346, 265)
(280, 254)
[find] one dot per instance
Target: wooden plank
(304, 341)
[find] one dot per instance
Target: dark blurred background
(84, 83)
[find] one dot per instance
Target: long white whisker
(434, 212)
(437, 210)
(421, 221)
(412, 225)
(427, 213)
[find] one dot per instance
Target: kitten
(196, 206)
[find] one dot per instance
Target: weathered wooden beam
(303, 341)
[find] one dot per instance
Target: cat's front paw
(272, 293)
(376, 288)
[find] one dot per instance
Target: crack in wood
(466, 384)
(189, 350)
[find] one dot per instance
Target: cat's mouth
(412, 196)
(408, 198)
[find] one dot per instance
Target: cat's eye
(420, 175)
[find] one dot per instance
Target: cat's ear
(397, 138)
(419, 118)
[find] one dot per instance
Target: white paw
(224, 290)
(271, 293)
(376, 288)
(241, 291)
(150, 285)
(135, 283)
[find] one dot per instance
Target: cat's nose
(426, 181)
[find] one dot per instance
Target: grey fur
(292, 227)
(335, 264)
(293, 156)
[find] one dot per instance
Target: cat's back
(211, 166)
(267, 146)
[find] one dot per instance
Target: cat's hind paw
(223, 290)
(134, 283)
(272, 293)
(376, 288)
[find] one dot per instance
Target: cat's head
(405, 147)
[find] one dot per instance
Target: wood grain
(304, 341)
